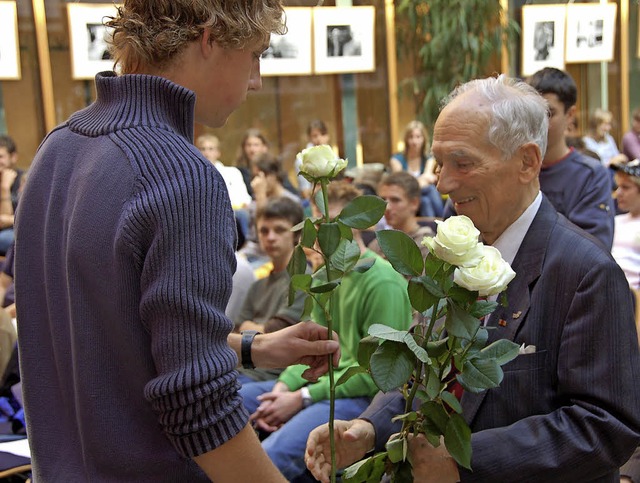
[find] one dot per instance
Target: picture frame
(9, 44)
(344, 39)
(290, 54)
(88, 34)
(543, 36)
(590, 32)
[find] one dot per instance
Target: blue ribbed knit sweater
(124, 258)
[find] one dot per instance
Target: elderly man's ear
(531, 161)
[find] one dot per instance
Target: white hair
(520, 114)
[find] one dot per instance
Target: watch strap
(245, 348)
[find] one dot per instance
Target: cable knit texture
(124, 260)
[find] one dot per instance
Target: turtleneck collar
(136, 100)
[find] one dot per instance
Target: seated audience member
(401, 191)
(631, 139)
(253, 145)
(266, 307)
(414, 159)
(578, 186)
(10, 182)
(290, 408)
(600, 141)
(569, 411)
(209, 146)
(626, 238)
(267, 180)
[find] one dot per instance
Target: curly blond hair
(153, 32)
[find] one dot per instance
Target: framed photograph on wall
(344, 39)
(88, 38)
(542, 37)
(9, 47)
(590, 32)
(290, 54)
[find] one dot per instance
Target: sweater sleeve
(182, 214)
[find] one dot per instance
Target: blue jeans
(6, 239)
(286, 446)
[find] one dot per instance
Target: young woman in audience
(626, 238)
(415, 160)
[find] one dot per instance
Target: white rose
(321, 162)
(456, 242)
(489, 277)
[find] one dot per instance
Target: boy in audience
(401, 191)
(266, 307)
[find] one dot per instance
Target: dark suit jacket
(570, 411)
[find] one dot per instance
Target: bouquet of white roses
(446, 347)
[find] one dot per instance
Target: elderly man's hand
(353, 440)
(304, 343)
(431, 465)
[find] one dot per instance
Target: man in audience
(124, 256)
(266, 307)
(401, 191)
(10, 183)
(569, 408)
(290, 408)
(578, 186)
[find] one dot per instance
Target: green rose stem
(324, 183)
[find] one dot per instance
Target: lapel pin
(516, 315)
(502, 323)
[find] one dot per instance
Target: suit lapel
(506, 321)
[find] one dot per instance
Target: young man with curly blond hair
(125, 252)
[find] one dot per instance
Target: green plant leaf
(328, 238)
(480, 308)
(349, 373)
(457, 438)
(309, 234)
(437, 348)
(435, 418)
(401, 251)
(364, 264)
(480, 374)
(502, 351)
(451, 401)
(387, 333)
(433, 385)
(391, 365)
(301, 282)
(319, 202)
(421, 299)
(459, 323)
(346, 256)
(308, 308)
(363, 212)
(462, 295)
(410, 416)
(298, 262)
(324, 288)
(419, 352)
(397, 449)
(368, 470)
(366, 348)
(345, 231)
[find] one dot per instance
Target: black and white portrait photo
(590, 32)
(97, 47)
(342, 42)
(9, 50)
(344, 39)
(543, 39)
(290, 54)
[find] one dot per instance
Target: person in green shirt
(289, 408)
